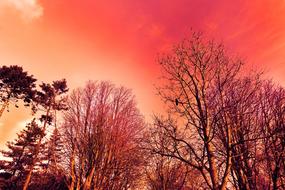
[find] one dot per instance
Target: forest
(223, 128)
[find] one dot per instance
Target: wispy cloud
(28, 9)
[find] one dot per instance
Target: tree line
(223, 128)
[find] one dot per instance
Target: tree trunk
(72, 165)
(229, 160)
(211, 158)
(212, 166)
(4, 106)
(275, 178)
(88, 180)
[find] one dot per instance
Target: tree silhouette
(15, 84)
(223, 129)
(196, 76)
(21, 153)
(54, 152)
(101, 130)
(273, 128)
(49, 99)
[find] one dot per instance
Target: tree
(165, 174)
(52, 174)
(53, 153)
(272, 120)
(21, 153)
(101, 131)
(49, 99)
(240, 112)
(196, 77)
(15, 84)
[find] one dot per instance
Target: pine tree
(53, 153)
(15, 85)
(50, 98)
(20, 153)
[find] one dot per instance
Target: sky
(119, 41)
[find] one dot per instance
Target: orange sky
(119, 40)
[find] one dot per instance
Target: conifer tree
(15, 85)
(53, 153)
(21, 151)
(49, 99)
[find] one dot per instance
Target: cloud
(28, 9)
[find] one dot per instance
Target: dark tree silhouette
(273, 128)
(21, 153)
(49, 100)
(15, 84)
(196, 76)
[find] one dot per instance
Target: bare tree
(223, 122)
(164, 173)
(273, 119)
(101, 129)
(241, 113)
(196, 77)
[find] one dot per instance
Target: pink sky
(114, 40)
